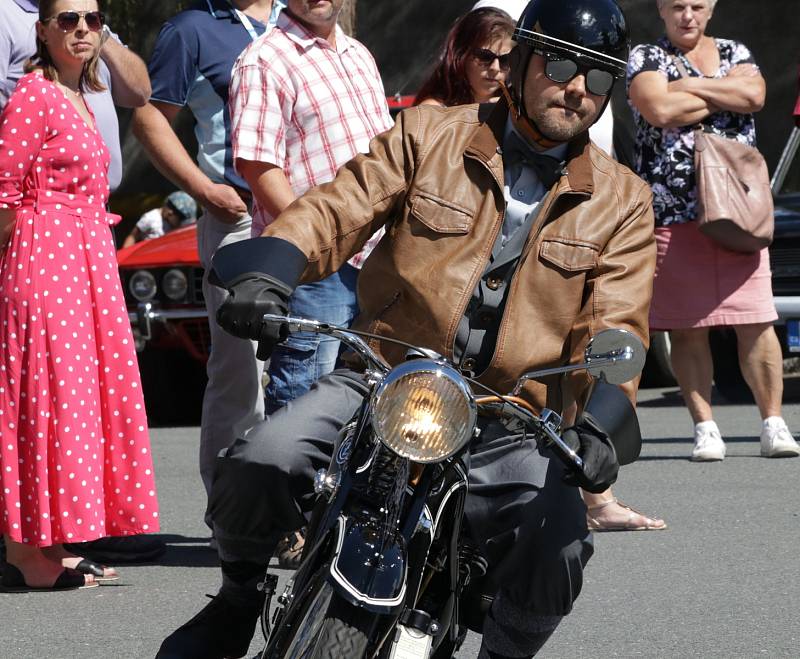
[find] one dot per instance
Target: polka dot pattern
(75, 461)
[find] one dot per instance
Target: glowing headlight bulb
(421, 426)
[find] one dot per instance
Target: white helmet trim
(539, 39)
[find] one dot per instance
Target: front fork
(373, 525)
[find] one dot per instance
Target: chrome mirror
(615, 355)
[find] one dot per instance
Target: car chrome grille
(198, 337)
(197, 286)
(785, 262)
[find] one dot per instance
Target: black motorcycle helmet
(590, 32)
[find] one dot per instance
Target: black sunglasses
(485, 57)
(69, 20)
(562, 69)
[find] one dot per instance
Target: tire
(658, 367)
(728, 379)
(324, 627)
(340, 638)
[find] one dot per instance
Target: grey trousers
(234, 398)
(530, 525)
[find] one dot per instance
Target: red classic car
(162, 280)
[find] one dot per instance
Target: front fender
(369, 566)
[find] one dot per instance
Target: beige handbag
(734, 199)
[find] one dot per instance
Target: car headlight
(175, 285)
(142, 285)
(423, 411)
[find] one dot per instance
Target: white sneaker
(776, 440)
(708, 444)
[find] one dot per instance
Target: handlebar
(356, 343)
(547, 424)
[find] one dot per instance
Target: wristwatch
(106, 33)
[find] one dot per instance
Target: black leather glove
(600, 465)
(250, 297)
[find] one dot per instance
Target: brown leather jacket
(435, 181)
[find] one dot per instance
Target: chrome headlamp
(175, 285)
(424, 411)
(142, 285)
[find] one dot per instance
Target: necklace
(73, 91)
(77, 93)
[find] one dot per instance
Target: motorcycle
(386, 571)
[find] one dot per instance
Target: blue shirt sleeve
(172, 67)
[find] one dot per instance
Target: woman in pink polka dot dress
(75, 461)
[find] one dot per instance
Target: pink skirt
(699, 284)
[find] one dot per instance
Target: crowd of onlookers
(281, 99)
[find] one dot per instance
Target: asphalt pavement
(723, 580)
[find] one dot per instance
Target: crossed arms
(689, 100)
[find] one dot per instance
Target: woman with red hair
(474, 61)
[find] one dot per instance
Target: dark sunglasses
(485, 57)
(69, 20)
(561, 69)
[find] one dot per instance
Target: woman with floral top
(699, 284)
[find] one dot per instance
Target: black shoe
(123, 549)
(220, 630)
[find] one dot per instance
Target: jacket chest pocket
(440, 215)
(568, 254)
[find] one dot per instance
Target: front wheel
(322, 626)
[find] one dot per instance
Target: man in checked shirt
(304, 100)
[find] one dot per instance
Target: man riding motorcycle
(510, 241)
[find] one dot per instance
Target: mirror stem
(604, 360)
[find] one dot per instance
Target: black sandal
(13, 581)
(97, 571)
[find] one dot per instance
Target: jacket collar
(220, 8)
(28, 6)
(225, 9)
(485, 145)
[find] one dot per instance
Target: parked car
(785, 261)
(162, 281)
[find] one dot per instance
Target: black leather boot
(222, 629)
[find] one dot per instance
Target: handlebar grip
(265, 347)
(270, 335)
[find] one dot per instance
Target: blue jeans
(300, 360)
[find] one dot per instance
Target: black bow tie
(516, 152)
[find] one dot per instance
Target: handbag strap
(680, 66)
(699, 126)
